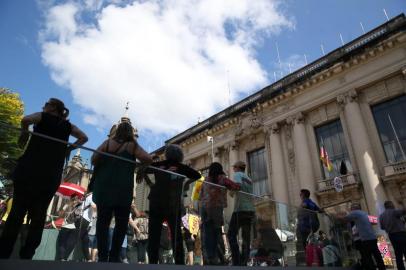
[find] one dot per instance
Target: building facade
(351, 102)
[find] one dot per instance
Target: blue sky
(173, 62)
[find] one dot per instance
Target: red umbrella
(70, 189)
(56, 224)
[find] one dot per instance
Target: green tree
(11, 113)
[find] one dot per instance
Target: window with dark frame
(331, 136)
(257, 170)
(390, 121)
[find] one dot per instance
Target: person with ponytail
(38, 174)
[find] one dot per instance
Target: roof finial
(127, 107)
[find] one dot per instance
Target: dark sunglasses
(49, 103)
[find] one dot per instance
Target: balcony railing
(394, 169)
(349, 179)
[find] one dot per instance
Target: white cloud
(168, 58)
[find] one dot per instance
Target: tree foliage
(11, 113)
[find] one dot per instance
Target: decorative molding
(239, 129)
(341, 101)
(234, 146)
(275, 128)
(217, 152)
(290, 120)
(352, 95)
(281, 109)
(300, 118)
(256, 119)
(403, 69)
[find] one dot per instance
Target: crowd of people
(108, 226)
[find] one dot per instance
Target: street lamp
(210, 139)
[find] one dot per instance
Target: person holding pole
(165, 201)
(34, 187)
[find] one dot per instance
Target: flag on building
(325, 160)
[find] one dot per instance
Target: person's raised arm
(145, 160)
(190, 173)
(142, 155)
(230, 184)
(28, 120)
(79, 135)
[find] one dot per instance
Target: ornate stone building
(351, 101)
(77, 172)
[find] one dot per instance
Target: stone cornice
(338, 68)
(378, 47)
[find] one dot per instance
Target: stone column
(304, 167)
(278, 175)
(374, 191)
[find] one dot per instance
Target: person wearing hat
(242, 217)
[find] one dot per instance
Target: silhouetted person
(394, 226)
(113, 188)
(308, 221)
(165, 202)
(34, 184)
(243, 216)
(368, 246)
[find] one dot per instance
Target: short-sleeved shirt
(391, 221)
(87, 212)
(93, 222)
(361, 220)
(243, 202)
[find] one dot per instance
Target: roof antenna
(229, 89)
(127, 107)
(279, 58)
(386, 14)
(305, 58)
(362, 27)
(342, 40)
(322, 49)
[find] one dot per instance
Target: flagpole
(397, 138)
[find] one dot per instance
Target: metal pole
(212, 150)
(86, 148)
(397, 138)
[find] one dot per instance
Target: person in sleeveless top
(34, 184)
(113, 188)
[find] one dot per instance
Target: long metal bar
(134, 162)
(87, 148)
